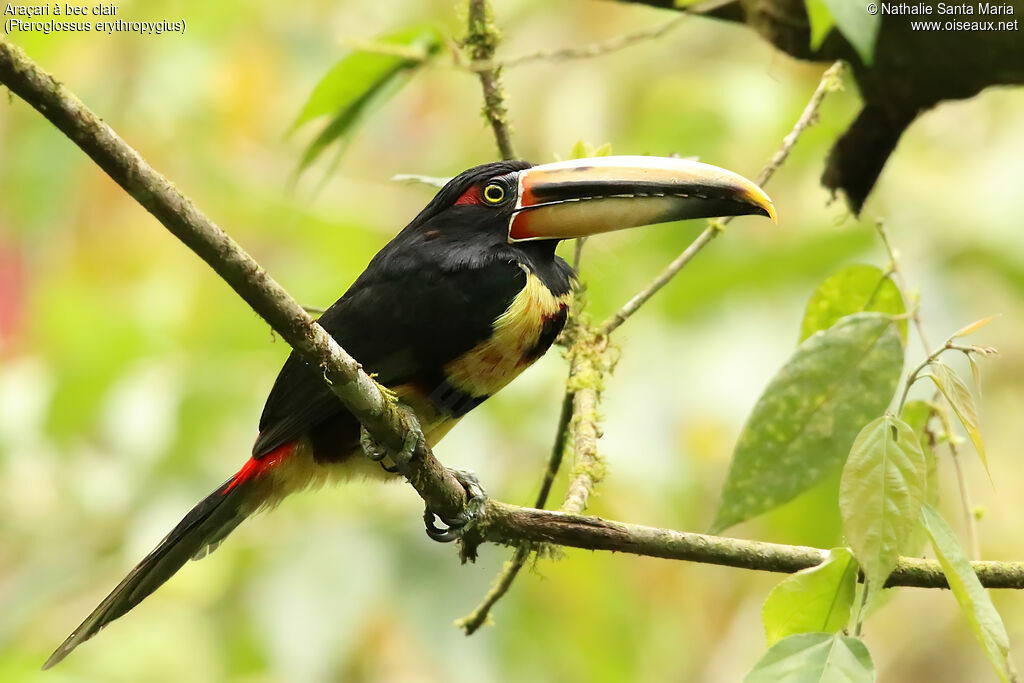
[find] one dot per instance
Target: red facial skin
(472, 196)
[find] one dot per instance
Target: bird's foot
(371, 447)
(455, 527)
(377, 452)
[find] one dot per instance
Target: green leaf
(584, 150)
(973, 327)
(852, 290)
(359, 80)
(881, 494)
(975, 373)
(814, 658)
(803, 425)
(974, 600)
(917, 415)
(959, 397)
(821, 21)
(814, 599)
(857, 26)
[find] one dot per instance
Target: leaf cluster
(827, 409)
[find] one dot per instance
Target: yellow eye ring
(494, 193)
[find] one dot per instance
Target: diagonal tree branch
(497, 522)
(359, 393)
(472, 622)
(830, 81)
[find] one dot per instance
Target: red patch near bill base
(470, 197)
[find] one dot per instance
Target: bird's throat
(520, 335)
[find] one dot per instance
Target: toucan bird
(451, 310)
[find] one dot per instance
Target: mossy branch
(251, 282)
(589, 363)
(481, 41)
(503, 523)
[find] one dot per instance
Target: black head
(519, 202)
(514, 211)
(466, 225)
(492, 186)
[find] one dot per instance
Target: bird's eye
(494, 193)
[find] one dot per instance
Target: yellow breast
(493, 363)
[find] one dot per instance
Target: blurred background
(132, 378)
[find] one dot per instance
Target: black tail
(202, 529)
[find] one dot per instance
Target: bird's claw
(371, 447)
(377, 452)
(455, 527)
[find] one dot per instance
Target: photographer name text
(947, 9)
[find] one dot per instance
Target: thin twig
(590, 51)
(862, 608)
(577, 253)
(481, 41)
(557, 449)
(663, 278)
(830, 81)
(967, 509)
(478, 617)
(416, 178)
(472, 622)
(915, 375)
(897, 272)
(970, 523)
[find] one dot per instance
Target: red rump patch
(470, 196)
(255, 468)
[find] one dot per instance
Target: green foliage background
(131, 378)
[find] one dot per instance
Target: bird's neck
(539, 258)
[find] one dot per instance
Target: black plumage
(430, 295)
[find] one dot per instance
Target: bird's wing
(401, 327)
